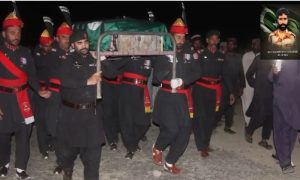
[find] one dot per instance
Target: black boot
(129, 155)
(3, 171)
(265, 144)
(22, 175)
(113, 146)
(67, 174)
(57, 170)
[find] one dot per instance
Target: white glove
(175, 83)
(102, 58)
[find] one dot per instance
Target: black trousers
(134, 122)
(90, 157)
(266, 123)
(174, 124)
(177, 138)
(110, 106)
(22, 138)
(205, 116)
(226, 109)
(43, 136)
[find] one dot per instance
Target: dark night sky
(240, 19)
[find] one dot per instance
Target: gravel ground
(233, 159)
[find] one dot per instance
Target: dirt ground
(232, 159)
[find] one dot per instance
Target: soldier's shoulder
(69, 55)
(25, 50)
(274, 33)
(220, 54)
(290, 33)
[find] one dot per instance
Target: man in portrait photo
(282, 37)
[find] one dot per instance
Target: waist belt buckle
(84, 106)
(15, 89)
(138, 81)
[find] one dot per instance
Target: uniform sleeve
(226, 74)
(67, 77)
(162, 68)
(251, 72)
(31, 72)
(193, 72)
(241, 75)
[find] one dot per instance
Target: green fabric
(123, 25)
(268, 21)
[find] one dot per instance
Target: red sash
(181, 90)
(140, 81)
(54, 85)
(22, 95)
(214, 86)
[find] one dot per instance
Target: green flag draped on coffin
(96, 28)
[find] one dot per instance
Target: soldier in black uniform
(17, 73)
(40, 105)
(197, 44)
(80, 126)
(134, 102)
(110, 106)
(173, 111)
(56, 56)
(207, 92)
(233, 62)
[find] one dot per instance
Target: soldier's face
(231, 46)
(46, 47)
(179, 39)
(256, 45)
(81, 46)
(64, 41)
(12, 35)
(197, 44)
(282, 21)
(213, 40)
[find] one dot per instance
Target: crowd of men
(55, 87)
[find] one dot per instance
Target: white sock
(169, 165)
(7, 165)
(19, 170)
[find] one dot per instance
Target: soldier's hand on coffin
(102, 58)
(94, 79)
(175, 83)
(231, 99)
(1, 114)
(45, 94)
(275, 70)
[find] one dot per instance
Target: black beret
(212, 32)
(78, 35)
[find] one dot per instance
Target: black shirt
(75, 71)
(213, 66)
(22, 58)
(187, 67)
